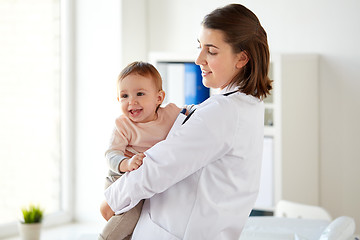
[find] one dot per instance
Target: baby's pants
(121, 226)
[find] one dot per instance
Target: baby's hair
(144, 69)
(243, 31)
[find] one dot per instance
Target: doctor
(203, 180)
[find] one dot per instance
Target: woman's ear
(243, 59)
(161, 96)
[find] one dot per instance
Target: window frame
(67, 124)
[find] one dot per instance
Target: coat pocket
(147, 229)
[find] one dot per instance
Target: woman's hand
(106, 211)
(128, 165)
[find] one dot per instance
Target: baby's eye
(124, 95)
(140, 94)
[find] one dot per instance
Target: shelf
(269, 131)
(269, 105)
(180, 57)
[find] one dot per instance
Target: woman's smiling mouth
(205, 73)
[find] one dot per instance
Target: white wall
(97, 60)
(329, 28)
(108, 35)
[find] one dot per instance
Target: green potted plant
(30, 226)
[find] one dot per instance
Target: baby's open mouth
(135, 112)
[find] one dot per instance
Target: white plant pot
(30, 231)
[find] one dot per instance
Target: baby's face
(139, 98)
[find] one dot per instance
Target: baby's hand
(132, 164)
(136, 161)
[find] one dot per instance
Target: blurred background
(59, 61)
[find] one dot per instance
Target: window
(30, 126)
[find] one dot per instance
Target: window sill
(72, 231)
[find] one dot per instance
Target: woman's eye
(211, 53)
(140, 94)
(198, 45)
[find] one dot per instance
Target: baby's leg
(110, 180)
(121, 227)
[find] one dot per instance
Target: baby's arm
(128, 165)
(114, 158)
(116, 151)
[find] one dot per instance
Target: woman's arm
(204, 138)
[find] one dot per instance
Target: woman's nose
(200, 60)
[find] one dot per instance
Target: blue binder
(195, 91)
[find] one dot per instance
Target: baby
(143, 124)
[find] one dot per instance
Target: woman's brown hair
(243, 31)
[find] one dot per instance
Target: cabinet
(291, 128)
(292, 120)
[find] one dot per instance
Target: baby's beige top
(139, 137)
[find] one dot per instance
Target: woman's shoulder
(229, 105)
(218, 101)
(236, 97)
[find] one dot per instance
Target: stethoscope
(183, 111)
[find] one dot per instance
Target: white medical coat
(202, 181)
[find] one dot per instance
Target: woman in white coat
(203, 180)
